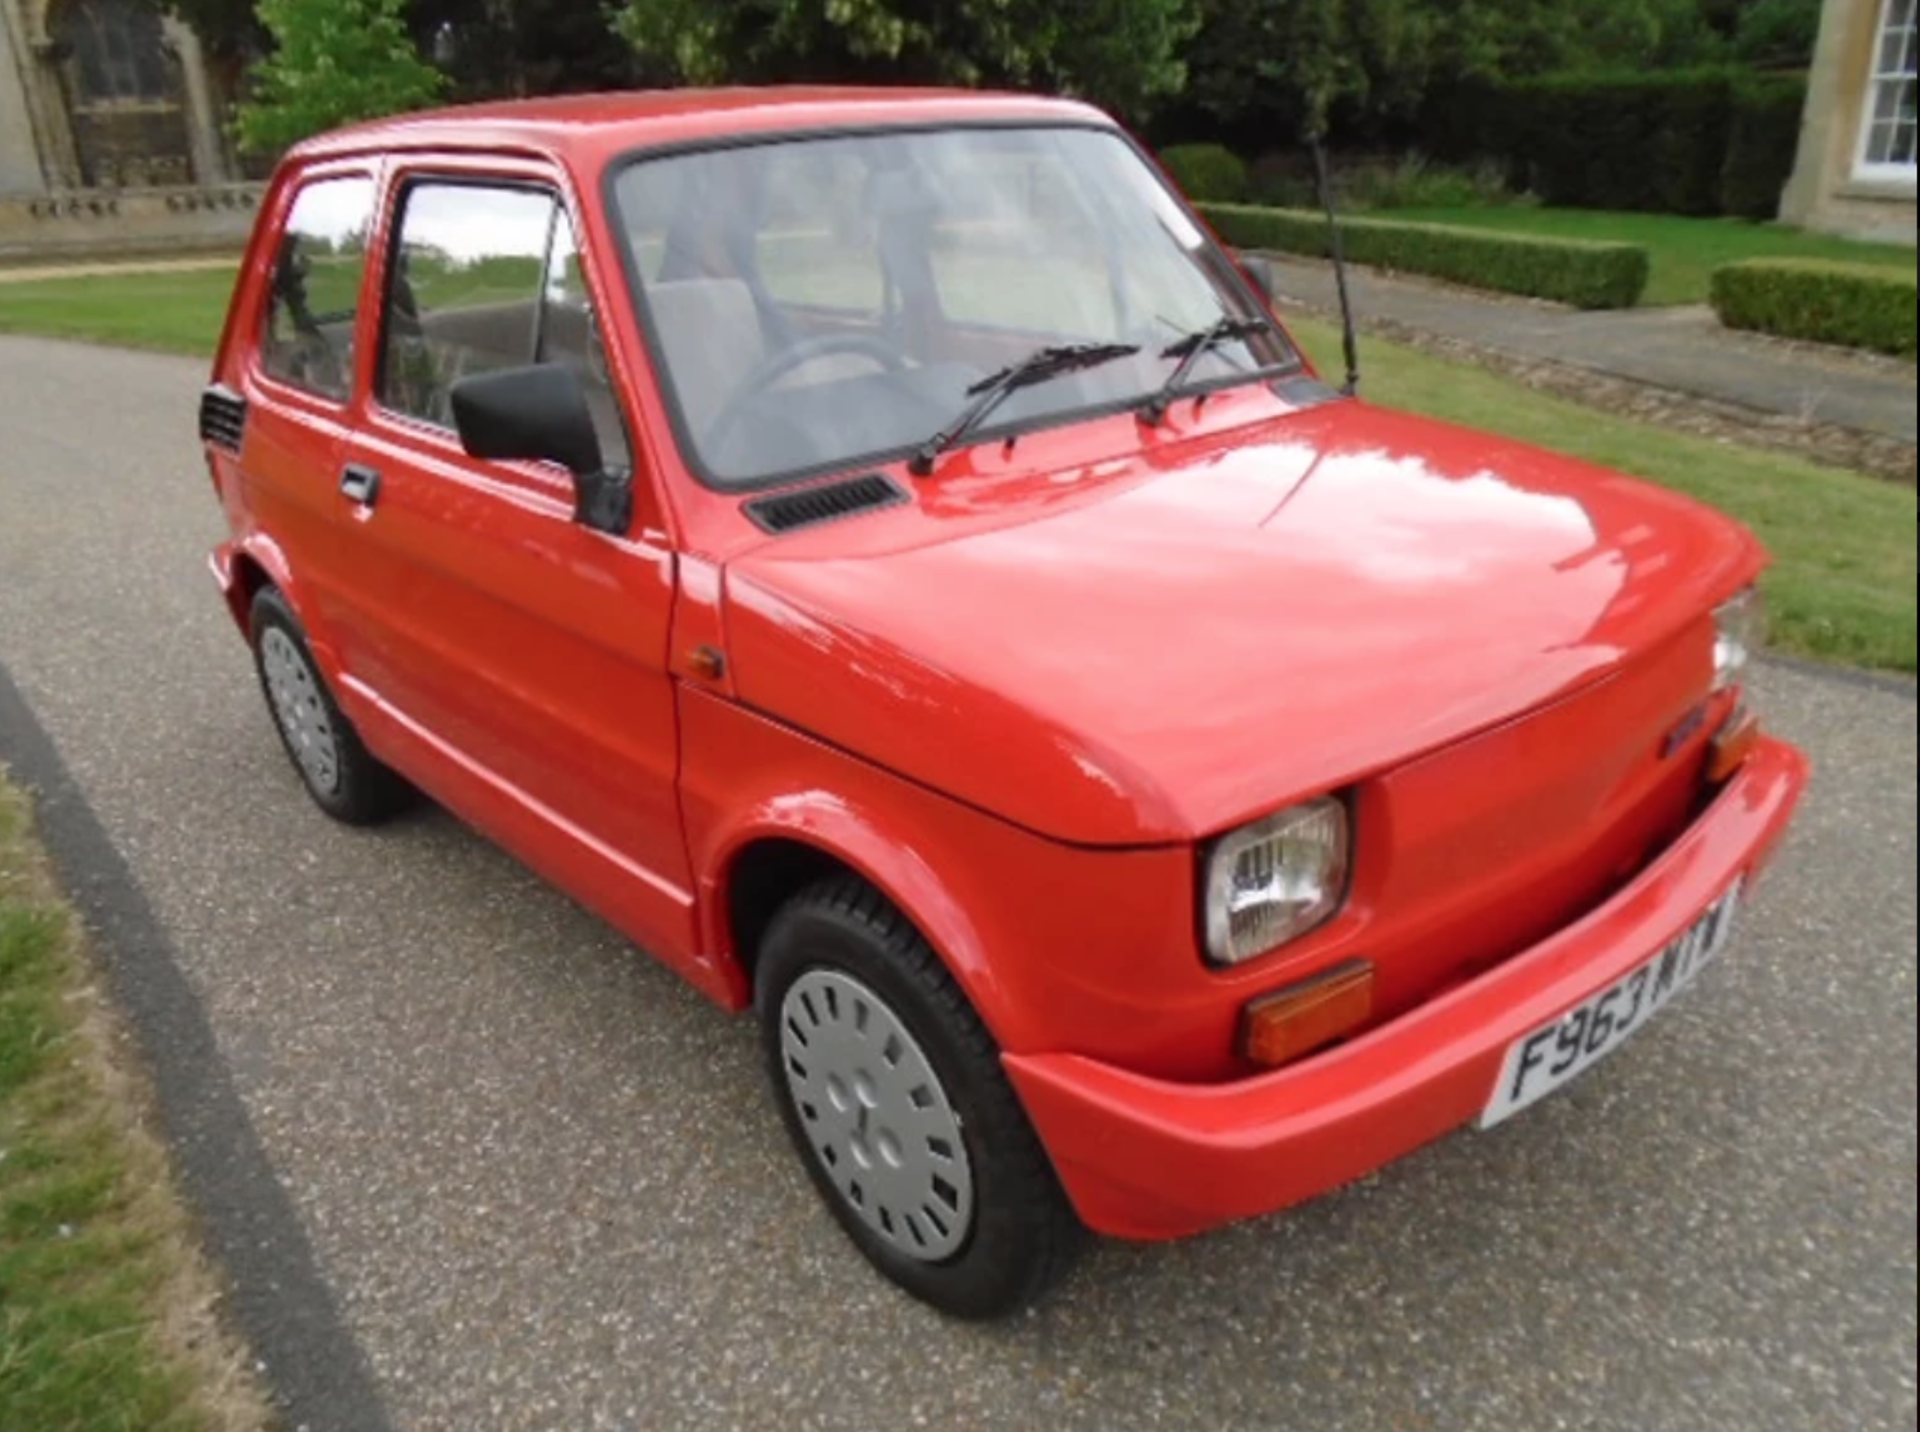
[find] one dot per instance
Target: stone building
(110, 132)
(1855, 171)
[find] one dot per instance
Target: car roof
(593, 127)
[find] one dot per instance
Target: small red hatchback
(878, 550)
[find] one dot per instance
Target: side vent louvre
(223, 417)
(784, 511)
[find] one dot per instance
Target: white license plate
(1554, 1054)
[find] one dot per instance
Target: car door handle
(361, 484)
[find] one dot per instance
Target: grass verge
(1842, 589)
(176, 311)
(1685, 251)
(107, 1317)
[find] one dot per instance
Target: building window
(1887, 145)
(118, 53)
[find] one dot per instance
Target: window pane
(1903, 144)
(570, 335)
(1897, 41)
(468, 275)
(316, 287)
(1890, 139)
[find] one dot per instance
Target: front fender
(1048, 941)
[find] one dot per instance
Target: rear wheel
(344, 780)
(891, 1089)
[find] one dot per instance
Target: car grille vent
(810, 506)
(223, 417)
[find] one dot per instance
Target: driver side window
(487, 277)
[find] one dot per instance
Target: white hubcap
(876, 1114)
(300, 710)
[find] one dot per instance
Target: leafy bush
(1417, 182)
(1207, 173)
(1654, 142)
(1574, 271)
(1411, 181)
(1760, 150)
(1854, 304)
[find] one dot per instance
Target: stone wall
(93, 223)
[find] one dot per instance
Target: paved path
(1684, 349)
(476, 1166)
(33, 273)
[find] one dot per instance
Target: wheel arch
(767, 864)
(247, 566)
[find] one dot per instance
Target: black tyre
(892, 1091)
(343, 779)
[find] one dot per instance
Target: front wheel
(892, 1092)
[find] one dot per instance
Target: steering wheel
(775, 366)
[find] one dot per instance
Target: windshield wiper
(1190, 350)
(994, 389)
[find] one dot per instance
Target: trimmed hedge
(1854, 304)
(1655, 142)
(1761, 148)
(1702, 142)
(1574, 271)
(1207, 173)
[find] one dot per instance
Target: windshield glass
(821, 302)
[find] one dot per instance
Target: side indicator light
(1281, 1027)
(707, 663)
(1732, 746)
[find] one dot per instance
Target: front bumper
(1144, 1158)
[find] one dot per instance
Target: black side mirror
(540, 414)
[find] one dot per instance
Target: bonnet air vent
(223, 417)
(785, 511)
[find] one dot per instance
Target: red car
(879, 551)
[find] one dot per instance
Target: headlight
(1740, 631)
(1274, 880)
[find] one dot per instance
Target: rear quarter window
(315, 295)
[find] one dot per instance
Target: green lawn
(1843, 588)
(1685, 251)
(92, 1246)
(176, 312)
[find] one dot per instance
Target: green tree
(1120, 53)
(521, 47)
(1778, 34)
(334, 61)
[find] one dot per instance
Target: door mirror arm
(540, 414)
(603, 500)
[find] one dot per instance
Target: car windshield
(817, 303)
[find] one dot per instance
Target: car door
(521, 656)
